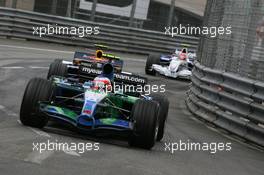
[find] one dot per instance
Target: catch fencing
(228, 81)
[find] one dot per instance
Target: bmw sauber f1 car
(91, 106)
(177, 65)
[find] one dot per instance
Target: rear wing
(110, 56)
(86, 55)
(82, 55)
(90, 56)
(105, 58)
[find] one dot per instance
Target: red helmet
(183, 56)
(102, 83)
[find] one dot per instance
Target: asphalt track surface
(22, 60)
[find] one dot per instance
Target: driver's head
(108, 71)
(183, 56)
(102, 83)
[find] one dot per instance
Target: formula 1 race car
(177, 65)
(98, 59)
(86, 66)
(93, 106)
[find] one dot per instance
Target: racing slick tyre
(152, 59)
(145, 116)
(57, 68)
(163, 113)
(37, 89)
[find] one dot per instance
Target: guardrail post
(172, 6)
(93, 10)
(132, 13)
(14, 3)
(75, 8)
(69, 7)
(54, 7)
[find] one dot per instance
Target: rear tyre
(57, 68)
(163, 113)
(152, 59)
(38, 89)
(145, 116)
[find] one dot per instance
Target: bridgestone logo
(117, 76)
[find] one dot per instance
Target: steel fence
(242, 51)
(227, 83)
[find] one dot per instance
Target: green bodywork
(62, 111)
(108, 113)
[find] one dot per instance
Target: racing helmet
(183, 56)
(102, 83)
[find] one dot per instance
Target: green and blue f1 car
(89, 107)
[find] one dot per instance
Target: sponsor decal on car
(90, 71)
(125, 77)
(129, 78)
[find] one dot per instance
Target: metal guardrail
(19, 24)
(233, 103)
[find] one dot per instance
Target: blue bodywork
(165, 58)
(106, 58)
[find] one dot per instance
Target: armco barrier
(19, 24)
(233, 103)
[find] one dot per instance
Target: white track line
(71, 152)
(38, 67)
(19, 67)
(37, 131)
(37, 157)
(7, 111)
(135, 60)
(40, 132)
(34, 48)
(12, 67)
(19, 122)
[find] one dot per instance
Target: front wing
(164, 70)
(84, 122)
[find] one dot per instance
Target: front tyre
(152, 59)
(163, 113)
(145, 116)
(37, 89)
(57, 68)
